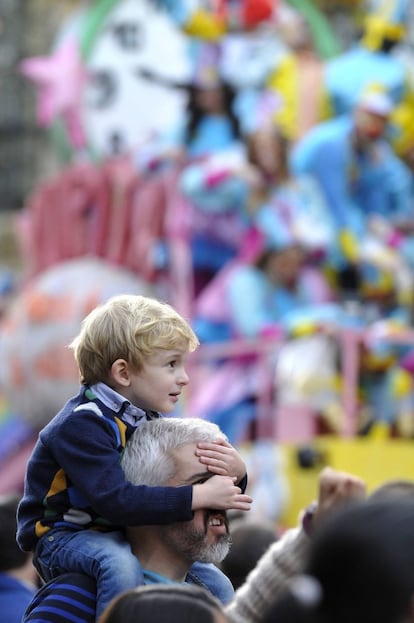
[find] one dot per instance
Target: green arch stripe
(94, 20)
(323, 36)
(325, 40)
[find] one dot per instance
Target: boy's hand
(221, 493)
(221, 458)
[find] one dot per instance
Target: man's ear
(120, 373)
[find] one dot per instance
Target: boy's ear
(120, 372)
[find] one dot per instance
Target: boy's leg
(212, 578)
(106, 556)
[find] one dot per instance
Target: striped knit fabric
(69, 598)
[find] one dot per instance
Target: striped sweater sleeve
(69, 598)
(269, 579)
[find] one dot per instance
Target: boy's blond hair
(127, 327)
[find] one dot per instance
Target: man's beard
(191, 542)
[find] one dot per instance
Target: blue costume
(215, 207)
(348, 75)
(242, 301)
(359, 186)
(355, 184)
(372, 61)
(213, 134)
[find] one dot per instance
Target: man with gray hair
(165, 453)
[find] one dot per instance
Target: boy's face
(158, 385)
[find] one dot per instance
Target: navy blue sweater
(74, 478)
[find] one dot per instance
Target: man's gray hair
(147, 459)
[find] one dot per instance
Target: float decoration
(60, 80)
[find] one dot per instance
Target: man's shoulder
(324, 139)
(51, 599)
(331, 130)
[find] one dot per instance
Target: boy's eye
(172, 364)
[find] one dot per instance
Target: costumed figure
(209, 227)
(275, 288)
(297, 78)
(371, 61)
(384, 325)
(368, 189)
(209, 123)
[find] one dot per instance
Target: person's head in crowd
(164, 453)
(165, 603)
(360, 568)
(12, 557)
(249, 541)
(282, 264)
(18, 577)
(399, 488)
(131, 335)
(208, 92)
(371, 116)
(280, 259)
(294, 30)
(211, 100)
(268, 150)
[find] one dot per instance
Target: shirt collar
(152, 577)
(118, 403)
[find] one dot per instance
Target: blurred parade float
(100, 227)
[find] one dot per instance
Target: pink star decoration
(60, 79)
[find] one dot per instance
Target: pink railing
(269, 414)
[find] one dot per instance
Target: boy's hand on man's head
(221, 493)
(221, 458)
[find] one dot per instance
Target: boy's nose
(183, 380)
